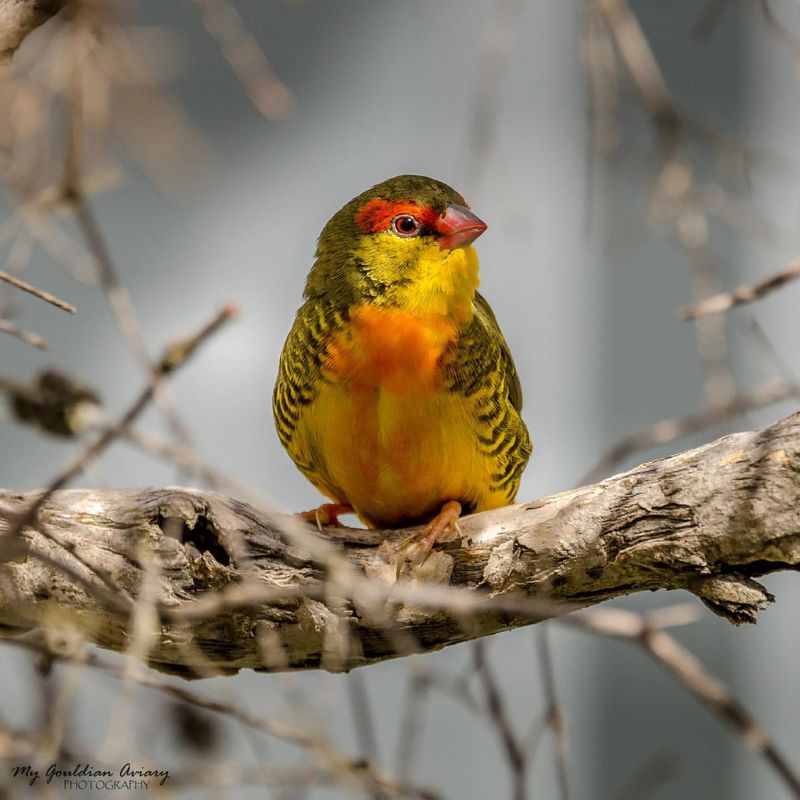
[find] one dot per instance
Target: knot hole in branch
(199, 533)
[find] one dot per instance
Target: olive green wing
(482, 369)
(300, 374)
(507, 367)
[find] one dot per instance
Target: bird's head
(406, 241)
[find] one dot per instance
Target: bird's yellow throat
(422, 278)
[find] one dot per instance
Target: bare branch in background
(363, 722)
(116, 293)
(640, 62)
(29, 337)
(554, 712)
(514, 751)
(339, 768)
(497, 44)
(671, 429)
(770, 352)
(710, 17)
(676, 198)
(247, 59)
(779, 30)
(744, 294)
(416, 703)
(648, 778)
(40, 293)
(175, 355)
(677, 660)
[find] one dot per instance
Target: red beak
(458, 227)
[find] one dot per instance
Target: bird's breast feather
(389, 348)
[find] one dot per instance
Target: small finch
(397, 395)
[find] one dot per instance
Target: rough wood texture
(18, 18)
(709, 520)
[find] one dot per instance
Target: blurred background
(606, 215)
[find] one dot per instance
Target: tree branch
(239, 587)
(18, 18)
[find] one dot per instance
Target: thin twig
(671, 429)
(497, 44)
(363, 721)
(648, 778)
(245, 595)
(411, 723)
(53, 740)
(711, 15)
(553, 712)
(781, 32)
(40, 293)
(515, 753)
(186, 459)
(691, 674)
(24, 336)
(743, 294)
(769, 351)
(19, 255)
(240, 48)
(639, 60)
(682, 664)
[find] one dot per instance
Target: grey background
(589, 310)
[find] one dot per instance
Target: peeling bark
(18, 18)
(710, 521)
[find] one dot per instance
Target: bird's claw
(415, 548)
(326, 514)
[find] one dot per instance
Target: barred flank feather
(480, 367)
(300, 372)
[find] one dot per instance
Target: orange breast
(391, 349)
(389, 438)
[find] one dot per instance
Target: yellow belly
(396, 458)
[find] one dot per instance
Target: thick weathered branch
(241, 593)
(18, 18)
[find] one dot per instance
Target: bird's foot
(326, 514)
(416, 548)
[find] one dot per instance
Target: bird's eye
(405, 225)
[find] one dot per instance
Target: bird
(397, 395)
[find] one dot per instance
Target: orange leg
(326, 514)
(417, 547)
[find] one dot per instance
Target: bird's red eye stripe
(377, 215)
